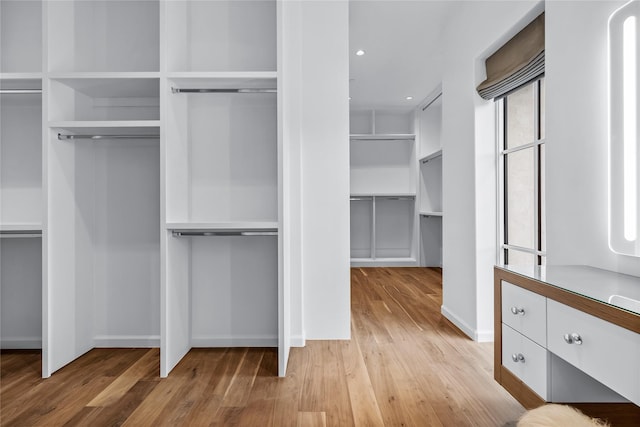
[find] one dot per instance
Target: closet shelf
(382, 137)
(224, 80)
(424, 213)
(21, 76)
(20, 230)
(108, 126)
(431, 156)
(18, 227)
(412, 195)
(84, 75)
(235, 226)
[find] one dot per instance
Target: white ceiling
(402, 41)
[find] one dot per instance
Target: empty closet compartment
(104, 99)
(431, 240)
(361, 227)
(381, 122)
(21, 153)
(382, 166)
(20, 36)
(394, 227)
(234, 288)
(431, 184)
(103, 241)
(221, 35)
(222, 147)
(430, 127)
(104, 35)
(20, 289)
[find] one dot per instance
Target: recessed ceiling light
(409, 98)
(360, 52)
(349, 98)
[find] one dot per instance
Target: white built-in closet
(141, 176)
(396, 185)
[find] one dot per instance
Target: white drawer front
(530, 318)
(532, 360)
(607, 352)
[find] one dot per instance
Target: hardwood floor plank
(366, 411)
(312, 419)
(144, 367)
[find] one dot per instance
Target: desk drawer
(607, 352)
(526, 360)
(525, 311)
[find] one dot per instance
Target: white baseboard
(484, 336)
(474, 334)
(126, 341)
(21, 343)
(247, 341)
(298, 341)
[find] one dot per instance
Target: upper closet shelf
(21, 76)
(108, 126)
(104, 75)
(431, 213)
(20, 230)
(431, 156)
(385, 195)
(228, 80)
(224, 228)
(383, 137)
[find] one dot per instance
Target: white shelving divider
(383, 190)
(429, 121)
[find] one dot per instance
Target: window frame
(503, 247)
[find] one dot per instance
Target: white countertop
(605, 286)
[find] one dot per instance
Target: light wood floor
(404, 366)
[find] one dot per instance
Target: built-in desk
(569, 334)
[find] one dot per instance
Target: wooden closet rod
(223, 233)
(242, 90)
(62, 137)
(20, 91)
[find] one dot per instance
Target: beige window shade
(516, 63)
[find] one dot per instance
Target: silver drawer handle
(517, 310)
(573, 338)
(517, 357)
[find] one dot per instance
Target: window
(521, 133)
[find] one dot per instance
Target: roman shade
(516, 63)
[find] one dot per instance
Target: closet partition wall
(142, 141)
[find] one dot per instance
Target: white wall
(577, 150)
(469, 187)
(324, 159)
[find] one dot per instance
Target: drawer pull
(573, 338)
(517, 357)
(517, 310)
